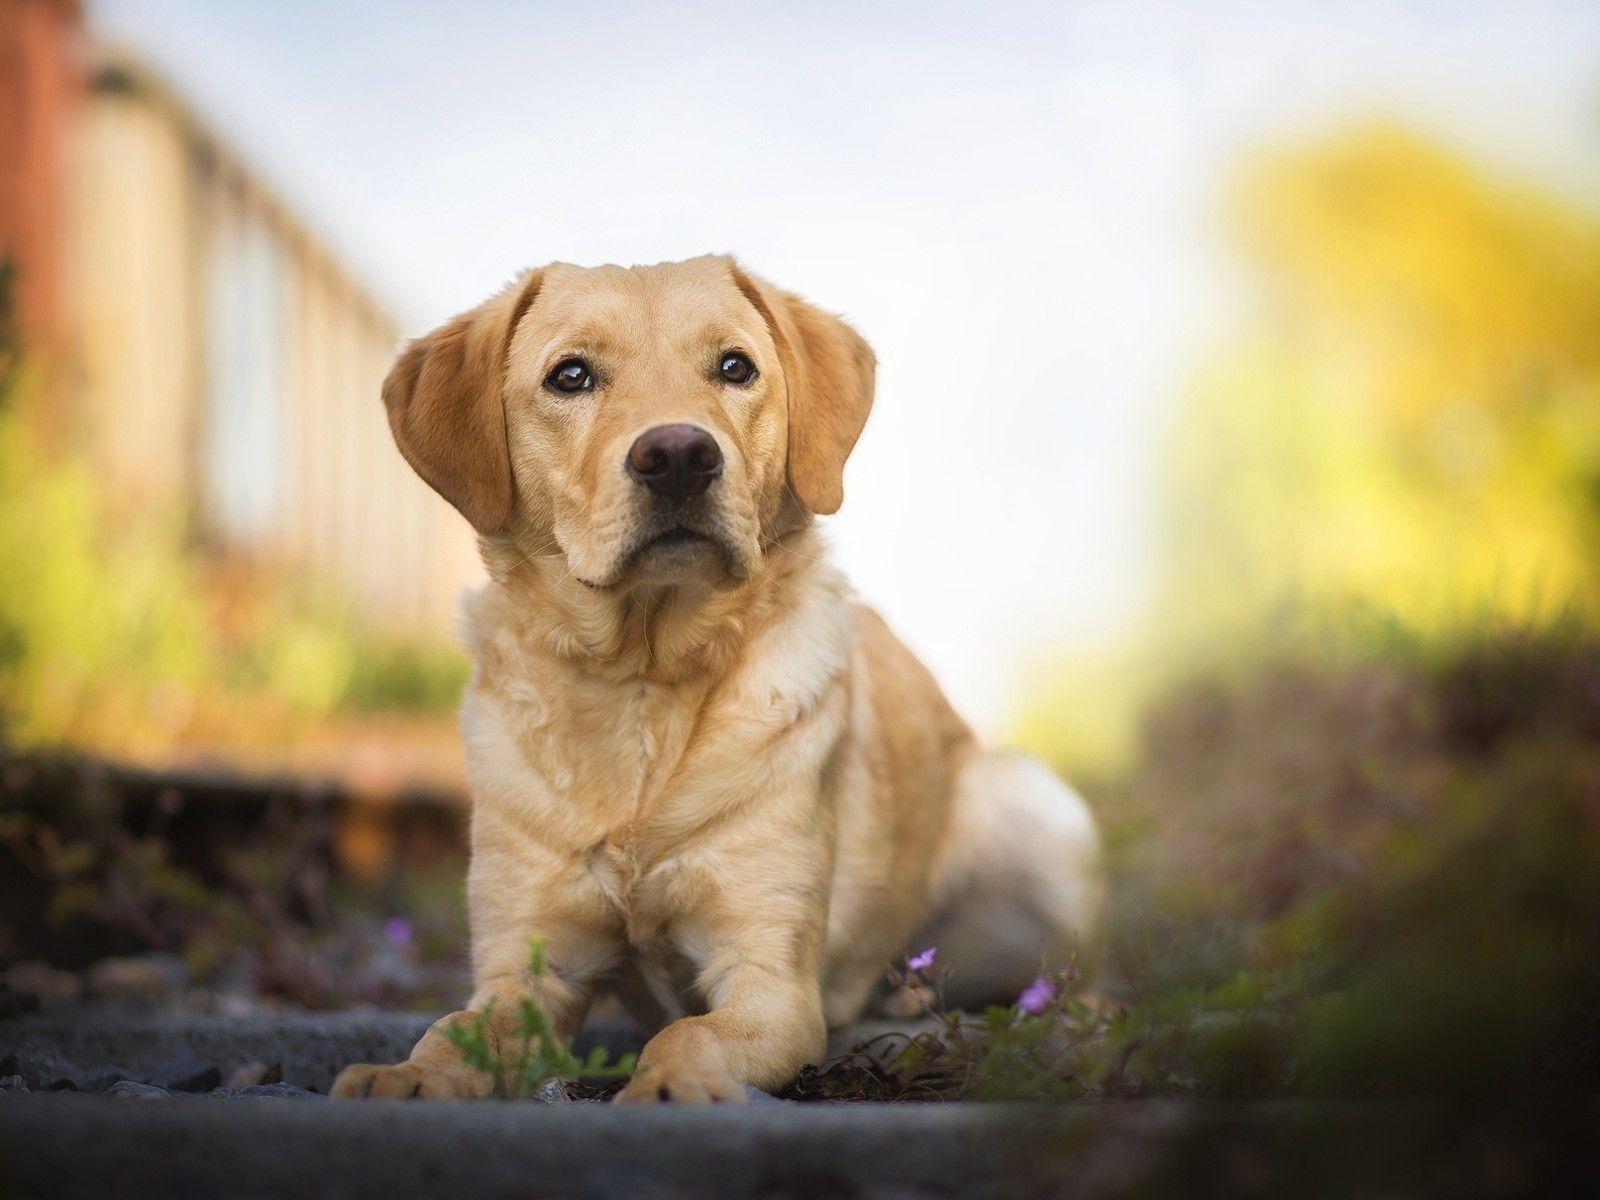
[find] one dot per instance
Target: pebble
(551, 1091)
(185, 1073)
(37, 1065)
(253, 1073)
(756, 1096)
(132, 1089)
(278, 1091)
(98, 1079)
(43, 1068)
(265, 1091)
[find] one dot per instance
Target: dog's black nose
(675, 461)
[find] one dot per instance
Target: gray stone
(312, 1047)
(184, 1072)
(13, 1085)
(253, 1073)
(551, 1092)
(265, 1091)
(98, 1078)
(757, 1096)
(132, 1089)
(278, 1091)
(35, 1059)
(309, 1048)
(41, 1065)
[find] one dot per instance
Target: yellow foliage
(1415, 424)
(100, 632)
(1409, 426)
(117, 637)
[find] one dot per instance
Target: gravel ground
(88, 1051)
(394, 1150)
(108, 1105)
(188, 1053)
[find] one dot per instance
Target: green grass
(532, 1055)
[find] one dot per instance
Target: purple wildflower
(921, 962)
(1037, 996)
(398, 931)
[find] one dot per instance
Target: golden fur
(704, 774)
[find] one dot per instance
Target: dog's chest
(603, 752)
(649, 889)
(628, 779)
(625, 764)
(631, 782)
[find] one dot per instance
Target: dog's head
(652, 424)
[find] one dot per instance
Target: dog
(706, 776)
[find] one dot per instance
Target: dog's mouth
(674, 553)
(678, 535)
(675, 549)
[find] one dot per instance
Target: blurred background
(1265, 337)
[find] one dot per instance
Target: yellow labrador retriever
(702, 772)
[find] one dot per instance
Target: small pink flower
(921, 962)
(1037, 996)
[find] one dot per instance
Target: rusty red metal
(41, 79)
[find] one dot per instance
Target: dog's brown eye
(736, 368)
(571, 376)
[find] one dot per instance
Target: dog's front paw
(407, 1081)
(682, 1083)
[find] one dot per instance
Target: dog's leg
(763, 1033)
(1017, 884)
(764, 1024)
(579, 945)
(436, 1069)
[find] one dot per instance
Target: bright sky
(1014, 203)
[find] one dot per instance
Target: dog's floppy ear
(830, 372)
(447, 410)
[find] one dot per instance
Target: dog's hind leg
(1017, 882)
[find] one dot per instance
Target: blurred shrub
(242, 888)
(1414, 418)
(1360, 850)
(101, 633)
(1406, 421)
(1385, 873)
(117, 636)
(388, 674)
